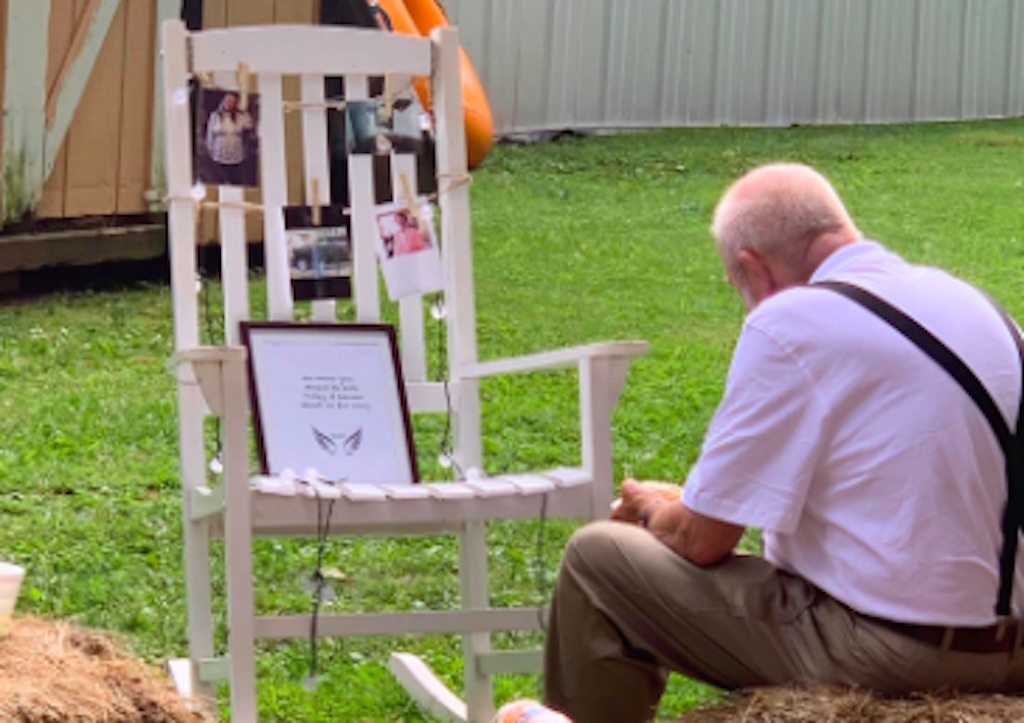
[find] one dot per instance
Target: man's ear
(760, 280)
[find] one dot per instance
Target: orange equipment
(419, 17)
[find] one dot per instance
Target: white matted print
(407, 248)
(330, 397)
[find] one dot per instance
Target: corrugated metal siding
(553, 64)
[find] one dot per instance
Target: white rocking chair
(214, 380)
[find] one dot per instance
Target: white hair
(778, 210)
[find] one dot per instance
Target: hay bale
(53, 671)
(796, 705)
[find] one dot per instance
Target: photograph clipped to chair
(319, 251)
(407, 248)
(227, 138)
(329, 403)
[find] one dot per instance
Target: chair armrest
(557, 359)
(206, 354)
(203, 365)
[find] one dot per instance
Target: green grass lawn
(577, 241)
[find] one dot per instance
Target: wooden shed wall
(3, 55)
(104, 166)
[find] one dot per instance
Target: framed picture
(319, 252)
(330, 397)
(227, 147)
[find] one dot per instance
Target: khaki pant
(627, 610)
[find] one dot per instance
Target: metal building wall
(553, 64)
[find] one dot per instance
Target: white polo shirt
(870, 470)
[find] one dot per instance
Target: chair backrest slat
(410, 308)
(234, 261)
(299, 49)
(274, 184)
(361, 203)
(316, 169)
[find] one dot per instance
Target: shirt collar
(843, 257)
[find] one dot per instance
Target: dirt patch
(788, 705)
(53, 671)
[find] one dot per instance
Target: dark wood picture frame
(321, 388)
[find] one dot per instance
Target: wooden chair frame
(213, 380)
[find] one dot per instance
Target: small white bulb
(216, 465)
(198, 192)
(438, 310)
(445, 460)
(180, 96)
(310, 682)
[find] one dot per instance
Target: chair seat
(285, 506)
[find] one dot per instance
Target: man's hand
(640, 499)
(658, 506)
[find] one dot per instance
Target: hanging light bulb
(310, 683)
(445, 460)
(198, 192)
(217, 464)
(179, 96)
(438, 310)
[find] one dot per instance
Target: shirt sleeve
(761, 448)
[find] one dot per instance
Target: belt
(999, 638)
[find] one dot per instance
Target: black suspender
(1012, 442)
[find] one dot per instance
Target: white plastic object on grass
(11, 577)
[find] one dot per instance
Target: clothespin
(409, 200)
(243, 87)
(314, 192)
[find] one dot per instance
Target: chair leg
(474, 587)
(238, 546)
(198, 585)
(200, 610)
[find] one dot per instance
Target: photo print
(363, 131)
(408, 251)
(227, 146)
(319, 252)
(407, 127)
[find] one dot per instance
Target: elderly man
(878, 482)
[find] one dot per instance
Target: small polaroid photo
(227, 148)
(364, 133)
(407, 248)
(319, 252)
